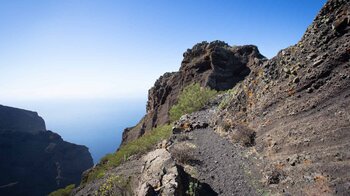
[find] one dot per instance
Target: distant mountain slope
(34, 161)
(13, 119)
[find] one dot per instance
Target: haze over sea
(95, 123)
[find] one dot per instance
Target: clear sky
(75, 49)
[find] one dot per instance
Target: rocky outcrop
(188, 123)
(151, 174)
(34, 161)
(159, 174)
(154, 173)
(216, 65)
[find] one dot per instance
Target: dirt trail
(221, 163)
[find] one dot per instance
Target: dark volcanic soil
(222, 166)
(218, 162)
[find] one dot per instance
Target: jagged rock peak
(204, 45)
(218, 65)
(215, 65)
(206, 50)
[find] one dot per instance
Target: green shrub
(191, 99)
(183, 154)
(193, 188)
(140, 145)
(64, 191)
(229, 96)
(113, 186)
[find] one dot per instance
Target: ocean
(97, 124)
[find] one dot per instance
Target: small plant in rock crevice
(229, 95)
(193, 188)
(111, 185)
(183, 153)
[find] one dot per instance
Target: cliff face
(12, 119)
(216, 65)
(34, 161)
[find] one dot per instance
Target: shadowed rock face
(13, 119)
(216, 65)
(34, 161)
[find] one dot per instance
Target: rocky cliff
(282, 128)
(216, 65)
(34, 161)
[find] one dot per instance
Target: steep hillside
(297, 106)
(282, 128)
(34, 161)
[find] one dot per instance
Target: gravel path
(221, 163)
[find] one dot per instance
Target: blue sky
(83, 49)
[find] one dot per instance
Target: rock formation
(34, 161)
(216, 65)
(159, 170)
(284, 129)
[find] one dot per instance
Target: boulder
(159, 174)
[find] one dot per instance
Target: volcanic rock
(215, 65)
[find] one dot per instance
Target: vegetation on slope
(138, 146)
(64, 191)
(112, 184)
(229, 96)
(192, 98)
